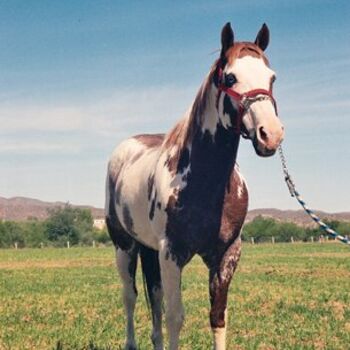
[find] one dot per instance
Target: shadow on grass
(90, 346)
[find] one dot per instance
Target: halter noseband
(243, 101)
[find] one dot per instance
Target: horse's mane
(183, 132)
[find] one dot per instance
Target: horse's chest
(200, 217)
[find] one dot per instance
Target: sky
(77, 77)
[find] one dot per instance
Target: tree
(34, 232)
(262, 229)
(69, 224)
(10, 233)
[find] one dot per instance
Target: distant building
(100, 224)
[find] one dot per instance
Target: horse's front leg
(220, 275)
(171, 282)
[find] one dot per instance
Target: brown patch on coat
(172, 161)
(150, 183)
(219, 282)
(153, 206)
(234, 209)
(176, 134)
(128, 221)
(150, 140)
(242, 49)
(113, 174)
(136, 157)
(118, 191)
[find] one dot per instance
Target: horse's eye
(230, 79)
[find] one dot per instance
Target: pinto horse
(172, 196)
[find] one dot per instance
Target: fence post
(41, 245)
(252, 240)
(312, 239)
(68, 245)
(292, 239)
(273, 240)
(93, 244)
(16, 245)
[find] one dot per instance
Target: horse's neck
(211, 147)
(213, 156)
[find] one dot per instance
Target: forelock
(242, 49)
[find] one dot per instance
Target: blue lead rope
(295, 193)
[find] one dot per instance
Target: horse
(172, 196)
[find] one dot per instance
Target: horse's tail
(150, 273)
(145, 288)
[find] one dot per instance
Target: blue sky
(79, 76)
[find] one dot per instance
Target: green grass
(283, 296)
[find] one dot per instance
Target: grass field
(283, 296)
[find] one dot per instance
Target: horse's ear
(227, 38)
(263, 37)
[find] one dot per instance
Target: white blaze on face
(252, 73)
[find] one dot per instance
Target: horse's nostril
(263, 134)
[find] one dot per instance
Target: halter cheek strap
(245, 100)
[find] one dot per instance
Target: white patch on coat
(251, 73)
(210, 117)
(219, 335)
(241, 185)
(224, 117)
(219, 338)
(129, 295)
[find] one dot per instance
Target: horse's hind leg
(126, 263)
(151, 271)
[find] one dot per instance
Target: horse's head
(245, 102)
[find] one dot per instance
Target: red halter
(245, 100)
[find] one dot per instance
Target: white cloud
(40, 118)
(38, 148)
(122, 109)
(93, 125)
(136, 110)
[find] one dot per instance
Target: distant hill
(299, 217)
(21, 208)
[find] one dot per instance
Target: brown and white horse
(172, 196)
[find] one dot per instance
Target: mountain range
(22, 208)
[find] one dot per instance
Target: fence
(272, 239)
